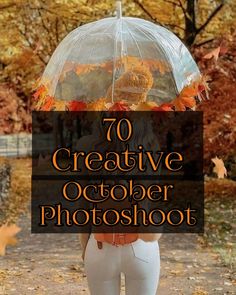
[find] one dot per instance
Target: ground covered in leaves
(51, 264)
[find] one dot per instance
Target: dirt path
(51, 264)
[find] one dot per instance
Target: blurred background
(31, 30)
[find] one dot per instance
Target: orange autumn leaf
(77, 105)
(85, 68)
(7, 236)
(165, 107)
(146, 106)
(60, 105)
(190, 90)
(40, 92)
(98, 105)
(120, 106)
(154, 65)
(180, 103)
(213, 54)
(48, 104)
(186, 97)
(219, 168)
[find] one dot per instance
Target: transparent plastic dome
(119, 58)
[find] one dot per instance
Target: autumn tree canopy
(31, 30)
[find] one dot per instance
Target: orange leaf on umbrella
(120, 106)
(180, 103)
(186, 97)
(166, 107)
(40, 92)
(77, 105)
(145, 106)
(48, 104)
(60, 105)
(98, 105)
(190, 90)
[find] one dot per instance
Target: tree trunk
(190, 22)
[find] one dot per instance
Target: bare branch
(146, 11)
(203, 42)
(175, 26)
(31, 45)
(7, 6)
(56, 29)
(213, 14)
(172, 2)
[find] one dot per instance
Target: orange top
(116, 238)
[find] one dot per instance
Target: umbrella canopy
(119, 59)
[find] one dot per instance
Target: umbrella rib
(163, 51)
(114, 61)
(135, 41)
(69, 51)
(92, 48)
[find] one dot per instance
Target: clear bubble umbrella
(119, 60)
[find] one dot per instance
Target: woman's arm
(83, 242)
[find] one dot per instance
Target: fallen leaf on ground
(200, 292)
(7, 236)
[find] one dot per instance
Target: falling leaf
(213, 54)
(219, 168)
(7, 236)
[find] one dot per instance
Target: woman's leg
(102, 267)
(141, 265)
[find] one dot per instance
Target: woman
(136, 255)
(106, 256)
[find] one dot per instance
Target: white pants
(139, 261)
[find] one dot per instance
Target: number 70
(118, 123)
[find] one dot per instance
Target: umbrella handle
(118, 9)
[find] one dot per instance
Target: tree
(31, 30)
(188, 18)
